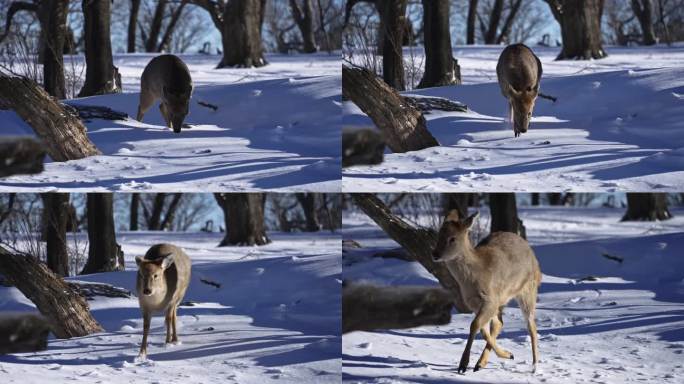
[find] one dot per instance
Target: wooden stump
(368, 307)
(23, 332)
(403, 126)
(63, 133)
(21, 155)
(65, 308)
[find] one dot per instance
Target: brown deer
(500, 268)
(163, 278)
(519, 72)
(166, 77)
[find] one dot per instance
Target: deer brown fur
(519, 72)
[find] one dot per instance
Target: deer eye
(452, 240)
(155, 276)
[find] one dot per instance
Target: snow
(276, 128)
(627, 326)
(617, 125)
(274, 319)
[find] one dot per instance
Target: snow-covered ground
(627, 326)
(275, 318)
(277, 127)
(618, 124)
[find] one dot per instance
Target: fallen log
(62, 132)
(367, 307)
(21, 155)
(362, 147)
(23, 332)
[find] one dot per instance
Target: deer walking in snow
(163, 278)
(501, 267)
(519, 72)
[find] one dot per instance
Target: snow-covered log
(367, 307)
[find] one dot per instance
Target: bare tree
(244, 218)
(580, 22)
(646, 207)
(101, 74)
(472, 16)
(308, 203)
(133, 219)
(104, 254)
(56, 206)
(303, 16)
(643, 9)
(504, 213)
(440, 66)
(132, 25)
(160, 212)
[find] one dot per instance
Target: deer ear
(452, 216)
(167, 261)
(138, 260)
(471, 220)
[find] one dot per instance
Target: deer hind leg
(146, 101)
(481, 319)
(168, 319)
(528, 303)
(495, 328)
(165, 114)
(174, 339)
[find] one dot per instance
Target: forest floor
(275, 318)
(626, 326)
(617, 124)
(276, 127)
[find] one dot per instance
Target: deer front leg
(174, 339)
(146, 330)
(167, 321)
(495, 328)
(481, 319)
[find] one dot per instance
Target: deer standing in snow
(501, 267)
(519, 72)
(163, 278)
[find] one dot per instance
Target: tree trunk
(472, 15)
(580, 22)
(418, 242)
(304, 19)
(56, 206)
(505, 214)
(506, 29)
(175, 16)
(154, 219)
(241, 35)
(643, 10)
(61, 131)
(308, 203)
(170, 216)
(535, 199)
(155, 26)
(457, 201)
(133, 24)
(53, 17)
(646, 207)
(101, 74)
(135, 205)
(104, 254)
(393, 15)
(244, 218)
(403, 126)
(494, 19)
(23, 332)
(440, 66)
(367, 307)
(67, 311)
(21, 155)
(555, 198)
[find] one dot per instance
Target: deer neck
(462, 265)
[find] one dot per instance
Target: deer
(163, 277)
(519, 73)
(166, 78)
(500, 268)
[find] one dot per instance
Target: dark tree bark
(155, 26)
(104, 254)
(23, 332)
(393, 15)
(580, 22)
(494, 19)
(308, 203)
(403, 126)
(66, 310)
(535, 199)
(133, 24)
(170, 216)
(21, 155)
(101, 74)
(643, 10)
(508, 23)
(440, 66)
(417, 242)
(241, 34)
(457, 201)
(555, 198)
(470, 24)
(135, 205)
(367, 307)
(244, 218)
(504, 213)
(303, 16)
(62, 132)
(56, 206)
(155, 217)
(646, 207)
(175, 16)
(53, 16)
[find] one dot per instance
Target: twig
(205, 104)
(614, 258)
(543, 96)
(212, 283)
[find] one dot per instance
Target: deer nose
(435, 256)
(147, 291)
